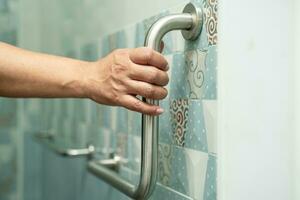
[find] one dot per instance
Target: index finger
(147, 56)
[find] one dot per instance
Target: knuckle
(119, 69)
(148, 52)
(150, 91)
(153, 76)
(137, 105)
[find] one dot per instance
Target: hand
(119, 77)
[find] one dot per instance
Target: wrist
(86, 73)
(77, 81)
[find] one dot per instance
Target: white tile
(210, 118)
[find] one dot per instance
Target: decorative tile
(195, 62)
(179, 116)
(211, 18)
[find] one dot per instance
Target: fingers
(146, 90)
(147, 56)
(149, 74)
(134, 104)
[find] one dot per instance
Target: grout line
(174, 191)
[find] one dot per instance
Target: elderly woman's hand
(125, 73)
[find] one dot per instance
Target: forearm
(27, 74)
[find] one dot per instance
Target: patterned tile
(195, 61)
(211, 20)
(179, 116)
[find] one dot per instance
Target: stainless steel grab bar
(190, 22)
(47, 140)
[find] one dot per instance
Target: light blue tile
(210, 192)
(196, 133)
(165, 129)
(162, 193)
(90, 51)
(178, 82)
(210, 85)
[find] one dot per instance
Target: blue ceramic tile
(135, 124)
(122, 120)
(90, 51)
(140, 34)
(117, 40)
(178, 82)
(165, 123)
(8, 117)
(196, 133)
(210, 192)
(9, 37)
(161, 192)
(210, 91)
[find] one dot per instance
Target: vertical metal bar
(190, 22)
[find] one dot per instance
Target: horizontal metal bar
(48, 141)
(190, 21)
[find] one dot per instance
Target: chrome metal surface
(190, 22)
(48, 142)
(194, 31)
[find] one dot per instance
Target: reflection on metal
(190, 22)
(48, 141)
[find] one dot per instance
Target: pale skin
(115, 79)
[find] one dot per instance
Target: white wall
(296, 152)
(256, 96)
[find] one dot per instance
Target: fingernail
(159, 110)
(167, 67)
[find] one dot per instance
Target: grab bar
(190, 22)
(47, 140)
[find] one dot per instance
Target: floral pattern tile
(195, 62)
(211, 20)
(179, 116)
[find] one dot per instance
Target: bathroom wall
(187, 140)
(9, 140)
